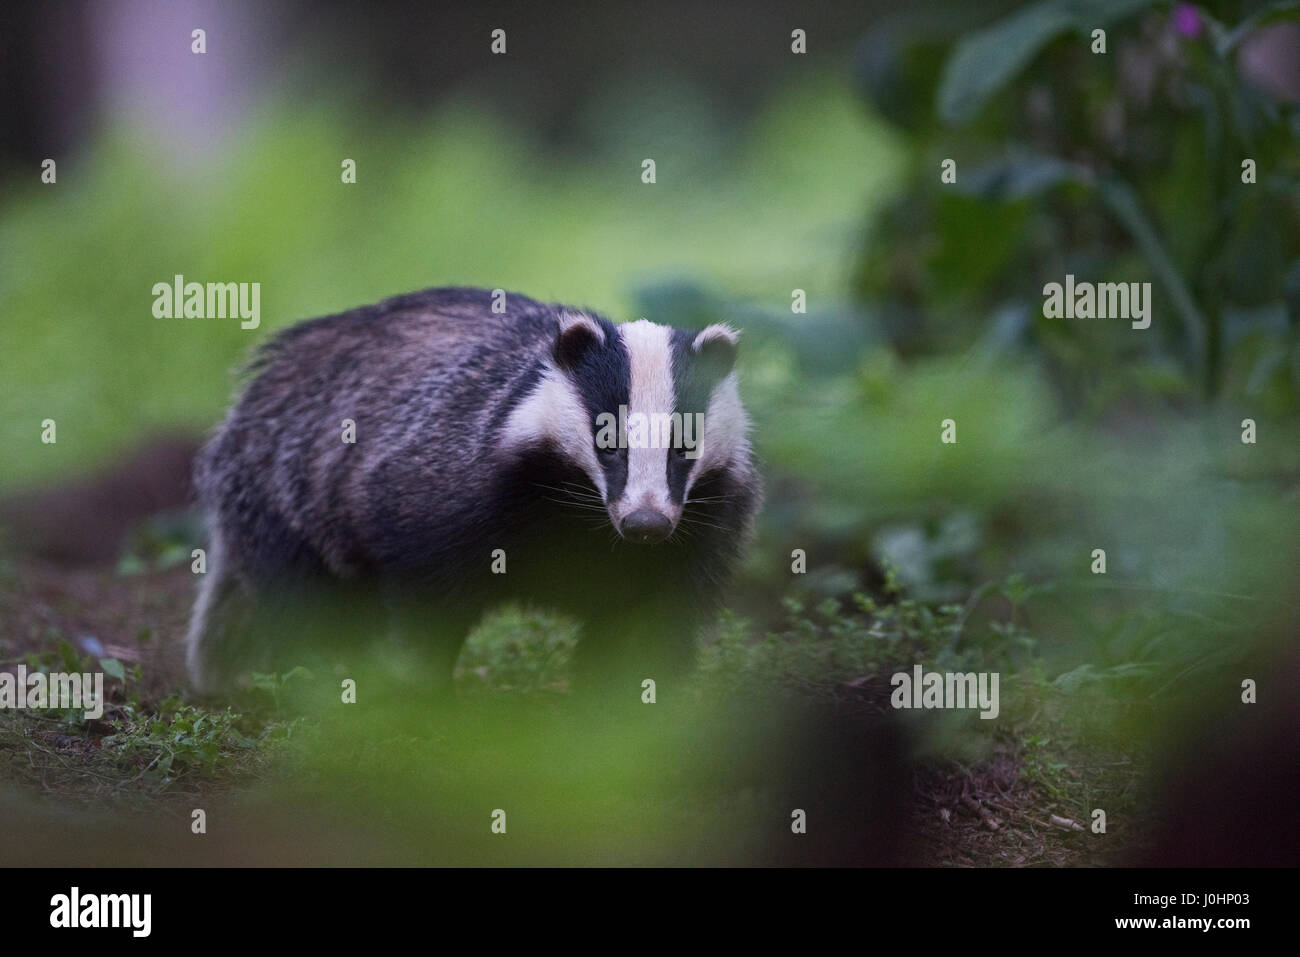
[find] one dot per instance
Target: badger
(427, 458)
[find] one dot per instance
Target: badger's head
(645, 411)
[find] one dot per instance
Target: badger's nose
(647, 526)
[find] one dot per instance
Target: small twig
(982, 812)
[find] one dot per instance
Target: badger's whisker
(691, 520)
(576, 493)
(571, 503)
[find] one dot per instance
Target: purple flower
(1187, 21)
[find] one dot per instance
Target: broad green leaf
(113, 668)
(983, 63)
(1072, 681)
(1019, 176)
(1121, 199)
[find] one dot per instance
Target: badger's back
(422, 378)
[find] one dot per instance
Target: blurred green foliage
(925, 304)
(1071, 435)
(452, 198)
(1117, 166)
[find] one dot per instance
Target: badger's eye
(606, 452)
(681, 451)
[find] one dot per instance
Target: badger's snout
(646, 526)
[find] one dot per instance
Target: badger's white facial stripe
(649, 349)
(726, 427)
(554, 411)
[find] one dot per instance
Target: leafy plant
(1125, 165)
(189, 741)
(828, 642)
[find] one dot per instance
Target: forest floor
(1026, 804)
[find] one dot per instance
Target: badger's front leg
(217, 641)
(221, 616)
(427, 635)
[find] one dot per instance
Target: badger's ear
(578, 334)
(716, 347)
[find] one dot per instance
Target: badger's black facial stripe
(602, 375)
(679, 470)
(615, 476)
